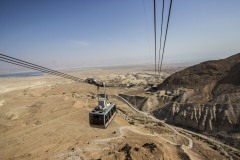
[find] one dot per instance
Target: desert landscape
(46, 117)
(119, 80)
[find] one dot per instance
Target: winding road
(190, 141)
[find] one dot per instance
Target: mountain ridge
(205, 96)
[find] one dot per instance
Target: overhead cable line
(155, 37)
(29, 65)
(169, 14)
(36, 67)
(160, 47)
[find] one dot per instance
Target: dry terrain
(46, 117)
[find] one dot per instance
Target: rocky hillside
(205, 96)
(224, 71)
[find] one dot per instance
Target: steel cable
(169, 14)
(155, 37)
(29, 65)
(159, 53)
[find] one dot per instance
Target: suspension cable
(169, 14)
(15, 63)
(29, 65)
(34, 67)
(155, 36)
(160, 47)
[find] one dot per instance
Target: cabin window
(114, 108)
(101, 103)
(96, 119)
(107, 117)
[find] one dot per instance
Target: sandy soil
(47, 118)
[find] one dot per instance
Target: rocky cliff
(205, 96)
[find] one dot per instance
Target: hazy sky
(76, 33)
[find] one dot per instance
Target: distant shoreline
(73, 69)
(21, 74)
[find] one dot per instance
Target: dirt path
(219, 144)
(187, 149)
(190, 143)
(122, 131)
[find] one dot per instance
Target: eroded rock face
(205, 96)
(205, 117)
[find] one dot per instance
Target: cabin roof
(104, 110)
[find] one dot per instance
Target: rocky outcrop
(205, 96)
(205, 117)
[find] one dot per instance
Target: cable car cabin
(102, 115)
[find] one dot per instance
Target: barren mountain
(205, 96)
(217, 72)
